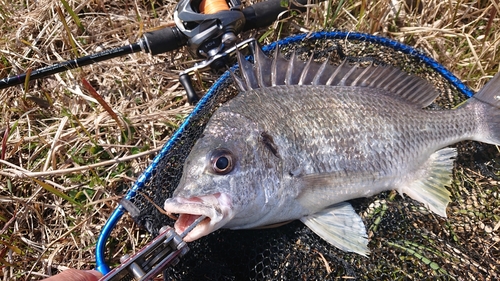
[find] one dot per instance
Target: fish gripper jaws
(163, 251)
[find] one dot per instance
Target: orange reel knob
(213, 6)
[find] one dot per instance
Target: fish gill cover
(407, 241)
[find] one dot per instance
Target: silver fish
(304, 137)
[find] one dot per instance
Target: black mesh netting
(407, 242)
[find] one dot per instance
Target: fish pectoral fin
(429, 184)
(340, 226)
(327, 187)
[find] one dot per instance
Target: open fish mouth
(216, 208)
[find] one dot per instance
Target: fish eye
(222, 161)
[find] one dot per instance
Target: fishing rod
(207, 28)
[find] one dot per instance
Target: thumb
(76, 275)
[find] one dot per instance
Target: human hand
(76, 275)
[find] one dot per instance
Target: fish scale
(353, 119)
(292, 151)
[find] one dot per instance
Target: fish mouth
(216, 208)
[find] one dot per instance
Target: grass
(68, 155)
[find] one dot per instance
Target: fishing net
(407, 242)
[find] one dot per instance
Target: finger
(76, 275)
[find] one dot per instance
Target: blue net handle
(146, 175)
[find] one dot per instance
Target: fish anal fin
(430, 181)
(340, 226)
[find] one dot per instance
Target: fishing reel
(209, 26)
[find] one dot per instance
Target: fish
(302, 138)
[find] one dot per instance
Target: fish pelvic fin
(340, 226)
(486, 103)
(429, 188)
(276, 70)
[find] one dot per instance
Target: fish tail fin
(486, 103)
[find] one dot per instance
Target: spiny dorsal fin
(275, 71)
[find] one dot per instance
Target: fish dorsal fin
(276, 70)
(340, 226)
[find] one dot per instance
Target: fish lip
(216, 208)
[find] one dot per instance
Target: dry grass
(65, 162)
